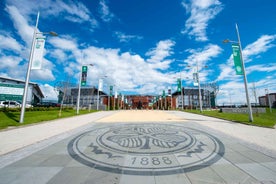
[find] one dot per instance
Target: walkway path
(149, 147)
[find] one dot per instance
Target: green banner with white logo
(110, 90)
(83, 75)
(237, 59)
(178, 85)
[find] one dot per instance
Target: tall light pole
(269, 102)
(99, 86)
(79, 89)
(243, 72)
(25, 92)
(182, 98)
(199, 86)
(181, 91)
(114, 101)
(98, 93)
(109, 96)
(199, 89)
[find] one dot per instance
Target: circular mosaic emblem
(146, 149)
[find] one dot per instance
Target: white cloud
(9, 63)
(64, 43)
(13, 67)
(201, 12)
(129, 72)
(70, 10)
(60, 54)
(226, 72)
(21, 25)
(269, 67)
(126, 38)
(163, 49)
(9, 43)
(106, 15)
(261, 45)
(201, 57)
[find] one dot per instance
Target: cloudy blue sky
(143, 45)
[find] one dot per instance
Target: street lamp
(114, 101)
(182, 100)
(79, 89)
(25, 92)
(243, 71)
(269, 102)
(109, 94)
(199, 87)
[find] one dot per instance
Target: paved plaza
(138, 147)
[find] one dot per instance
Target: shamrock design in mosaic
(146, 137)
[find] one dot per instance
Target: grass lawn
(11, 118)
(267, 119)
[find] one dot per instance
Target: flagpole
(245, 78)
(98, 95)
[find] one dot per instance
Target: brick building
(88, 96)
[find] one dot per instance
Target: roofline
(17, 80)
(35, 85)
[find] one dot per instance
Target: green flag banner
(237, 59)
(83, 75)
(178, 85)
(110, 90)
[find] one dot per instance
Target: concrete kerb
(16, 138)
(260, 138)
(12, 154)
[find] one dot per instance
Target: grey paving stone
(233, 174)
(270, 165)
(259, 172)
(257, 156)
(57, 161)
(30, 175)
(30, 161)
(236, 158)
(235, 146)
(204, 175)
(71, 175)
(172, 179)
(188, 160)
(74, 163)
(222, 161)
(127, 179)
(102, 177)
